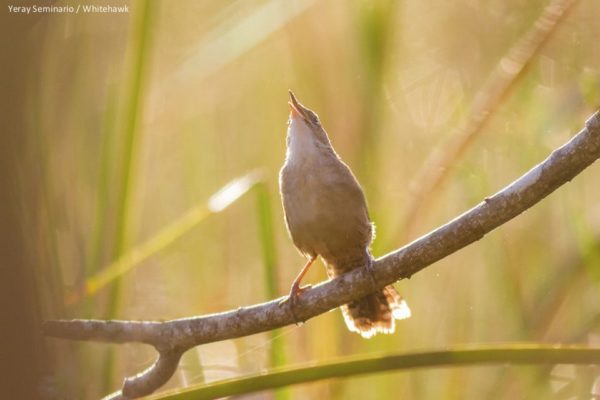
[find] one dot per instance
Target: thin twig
(172, 338)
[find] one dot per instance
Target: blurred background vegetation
(138, 121)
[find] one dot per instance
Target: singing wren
(326, 215)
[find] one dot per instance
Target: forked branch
(172, 338)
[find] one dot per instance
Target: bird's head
(300, 113)
(304, 126)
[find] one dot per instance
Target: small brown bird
(326, 215)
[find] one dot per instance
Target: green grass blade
(267, 239)
(140, 43)
(218, 202)
(139, 46)
(516, 353)
(103, 188)
(269, 255)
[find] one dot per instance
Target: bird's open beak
(295, 107)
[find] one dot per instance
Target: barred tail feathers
(376, 313)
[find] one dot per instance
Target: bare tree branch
(173, 338)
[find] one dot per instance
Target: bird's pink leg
(296, 289)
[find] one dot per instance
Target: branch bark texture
(172, 338)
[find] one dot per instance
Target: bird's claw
(292, 298)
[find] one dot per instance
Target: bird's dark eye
(314, 118)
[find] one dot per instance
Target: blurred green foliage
(391, 80)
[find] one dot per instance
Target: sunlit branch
(172, 338)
